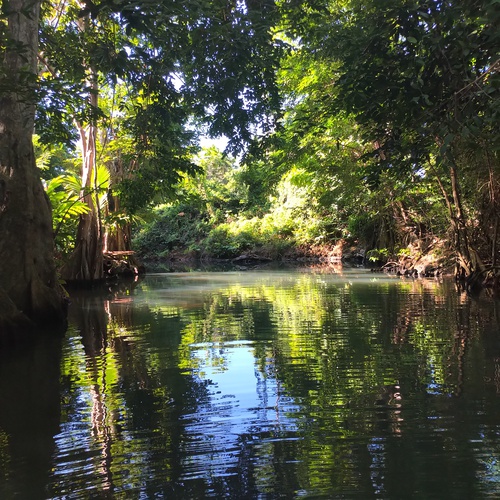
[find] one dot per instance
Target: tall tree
(197, 59)
(422, 80)
(382, 208)
(29, 288)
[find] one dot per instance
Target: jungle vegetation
(371, 124)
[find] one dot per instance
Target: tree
(422, 81)
(29, 288)
(207, 60)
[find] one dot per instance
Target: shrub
(175, 227)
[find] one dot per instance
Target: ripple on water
(260, 386)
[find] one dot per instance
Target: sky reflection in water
(270, 384)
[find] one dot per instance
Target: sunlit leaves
(225, 55)
(408, 69)
(66, 194)
(142, 73)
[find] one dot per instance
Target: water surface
(259, 384)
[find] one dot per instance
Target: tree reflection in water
(279, 384)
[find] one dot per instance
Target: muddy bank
(412, 262)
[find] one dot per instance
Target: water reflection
(265, 385)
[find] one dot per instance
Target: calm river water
(314, 383)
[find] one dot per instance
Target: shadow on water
(29, 415)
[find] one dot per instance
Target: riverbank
(417, 260)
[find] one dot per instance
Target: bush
(217, 230)
(174, 228)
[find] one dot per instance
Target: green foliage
(130, 80)
(378, 255)
(66, 195)
(174, 228)
(67, 206)
(259, 178)
(265, 236)
(153, 151)
(379, 100)
(227, 241)
(212, 228)
(361, 225)
(54, 160)
(219, 184)
(215, 62)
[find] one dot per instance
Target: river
(304, 383)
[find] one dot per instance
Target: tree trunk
(467, 254)
(86, 262)
(29, 289)
(118, 235)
